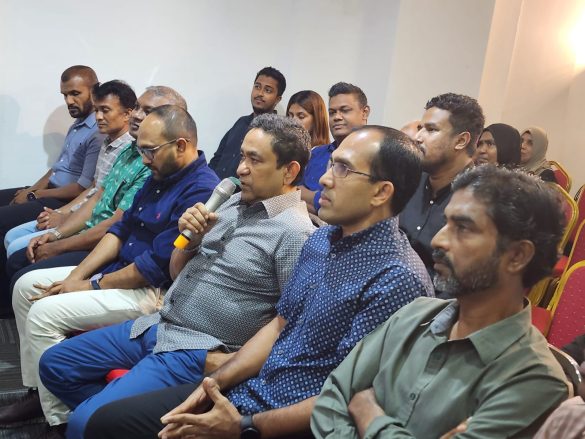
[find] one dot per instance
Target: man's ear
(366, 113)
(290, 173)
(520, 253)
(463, 140)
(384, 191)
(278, 99)
(181, 144)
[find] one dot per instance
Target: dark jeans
(138, 417)
(12, 216)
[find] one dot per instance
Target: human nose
(137, 114)
(439, 241)
(326, 179)
(69, 100)
(242, 168)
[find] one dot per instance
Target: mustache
(440, 257)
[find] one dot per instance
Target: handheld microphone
(222, 192)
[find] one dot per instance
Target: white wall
(532, 75)
(513, 55)
(208, 50)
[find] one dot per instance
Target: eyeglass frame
(149, 153)
(347, 169)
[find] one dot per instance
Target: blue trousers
(74, 370)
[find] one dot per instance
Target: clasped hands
(193, 419)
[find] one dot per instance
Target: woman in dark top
(533, 154)
(309, 109)
(499, 144)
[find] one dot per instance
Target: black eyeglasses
(150, 152)
(340, 170)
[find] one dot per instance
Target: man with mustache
(474, 363)
(127, 272)
(269, 86)
(64, 246)
(350, 277)
(348, 110)
(451, 125)
(71, 174)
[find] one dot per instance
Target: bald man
(127, 272)
(411, 128)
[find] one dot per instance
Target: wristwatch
(95, 281)
(247, 429)
(31, 196)
(57, 234)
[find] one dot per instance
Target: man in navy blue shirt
(350, 278)
(128, 271)
(267, 92)
(348, 110)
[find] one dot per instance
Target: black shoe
(53, 432)
(27, 408)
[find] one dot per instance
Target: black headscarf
(508, 144)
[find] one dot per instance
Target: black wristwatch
(247, 429)
(31, 196)
(95, 281)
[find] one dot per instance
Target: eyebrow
(465, 219)
(343, 161)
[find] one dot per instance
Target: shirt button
(333, 256)
(417, 227)
(432, 202)
(158, 191)
(412, 396)
(130, 244)
(141, 224)
(140, 208)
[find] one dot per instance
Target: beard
(478, 277)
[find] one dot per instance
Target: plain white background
(513, 55)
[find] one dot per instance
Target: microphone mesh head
(227, 186)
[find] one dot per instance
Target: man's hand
(20, 196)
(68, 285)
(364, 408)
(35, 242)
(199, 221)
(50, 219)
(459, 429)
(46, 251)
(222, 421)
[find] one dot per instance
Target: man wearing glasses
(127, 272)
(351, 276)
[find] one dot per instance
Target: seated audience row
(269, 316)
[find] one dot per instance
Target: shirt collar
(89, 121)
(192, 167)
(280, 203)
(122, 140)
(489, 342)
(447, 189)
(384, 230)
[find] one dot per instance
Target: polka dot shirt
(341, 289)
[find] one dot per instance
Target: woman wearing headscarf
(533, 154)
(499, 144)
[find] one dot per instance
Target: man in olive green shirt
(475, 362)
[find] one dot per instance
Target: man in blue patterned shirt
(350, 278)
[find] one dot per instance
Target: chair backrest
(571, 213)
(568, 307)
(580, 201)
(561, 175)
(570, 367)
(578, 248)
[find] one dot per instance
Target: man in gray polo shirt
(226, 284)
